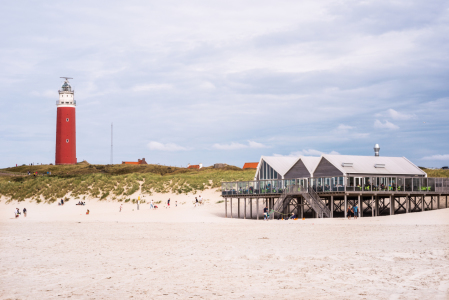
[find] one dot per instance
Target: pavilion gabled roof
(281, 164)
(380, 165)
(310, 162)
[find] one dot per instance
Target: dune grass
(436, 172)
(116, 182)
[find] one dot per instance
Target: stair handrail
(323, 209)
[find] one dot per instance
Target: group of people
(168, 203)
(352, 211)
(266, 215)
(198, 201)
(17, 212)
(152, 206)
(81, 203)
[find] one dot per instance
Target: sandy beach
(189, 252)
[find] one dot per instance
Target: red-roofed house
(138, 162)
(250, 165)
(189, 166)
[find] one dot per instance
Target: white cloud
(437, 157)
(253, 144)
(344, 127)
(308, 152)
(361, 135)
(395, 115)
(165, 147)
(46, 94)
(207, 85)
(151, 87)
(386, 125)
(348, 132)
(235, 146)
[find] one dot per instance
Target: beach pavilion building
(328, 185)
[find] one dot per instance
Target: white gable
(281, 164)
(352, 164)
(310, 162)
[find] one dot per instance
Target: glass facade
(267, 172)
(337, 184)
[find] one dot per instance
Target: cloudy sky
(226, 81)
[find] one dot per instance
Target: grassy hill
(115, 182)
(436, 172)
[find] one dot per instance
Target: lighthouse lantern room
(66, 125)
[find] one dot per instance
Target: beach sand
(189, 252)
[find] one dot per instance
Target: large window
(267, 172)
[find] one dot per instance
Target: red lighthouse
(66, 126)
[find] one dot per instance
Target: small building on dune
(138, 162)
(250, 165)
(189, 166)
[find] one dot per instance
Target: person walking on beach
(356, 211)
(151, 204)
(349, 212)
(176, 203)
(16, 213)
(200, 199)
(137, 204)
(196, 201)
(24, 212)
(120, 208)
(168, 203)
(265, 213)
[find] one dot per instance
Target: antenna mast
(111, 143)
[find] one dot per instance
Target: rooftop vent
(379, 165)
(376, 150)
(346, 164)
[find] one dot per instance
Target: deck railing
(323, 185)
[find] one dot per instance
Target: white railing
(73, 102)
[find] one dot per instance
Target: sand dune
(193, 252)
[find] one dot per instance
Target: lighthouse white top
(66, 95)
